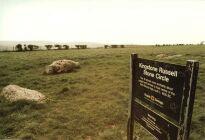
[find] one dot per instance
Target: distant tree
(25, 48)
(48, 47)
(77, 46)
(202, 42)
(31, 47)
(114, 46)
(83, 46)
(66, 47)
(35, 47)
(122, 46)
(19, 47)
(59, 47)
(106, 46)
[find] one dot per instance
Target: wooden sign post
(162, 97)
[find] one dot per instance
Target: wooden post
(130, 130)
(192, 69)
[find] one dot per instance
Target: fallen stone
(14, 93)
(61, 66)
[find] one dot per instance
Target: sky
(103, 21)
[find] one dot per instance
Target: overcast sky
(104, 21)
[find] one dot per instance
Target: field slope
(90, 103)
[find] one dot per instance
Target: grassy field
(90, 103)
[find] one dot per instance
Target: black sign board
(159, 127)
(160, 85)
(162, 97)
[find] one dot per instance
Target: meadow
(90, 103)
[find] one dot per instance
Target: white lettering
(163, 78)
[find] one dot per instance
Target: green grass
(90, 103)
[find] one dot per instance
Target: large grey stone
(61, 66)
(14, 93)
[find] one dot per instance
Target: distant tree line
(64, 47)
(114, 46)
(158, 45)
(57, 46)
(81, 46)
(30, 47)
